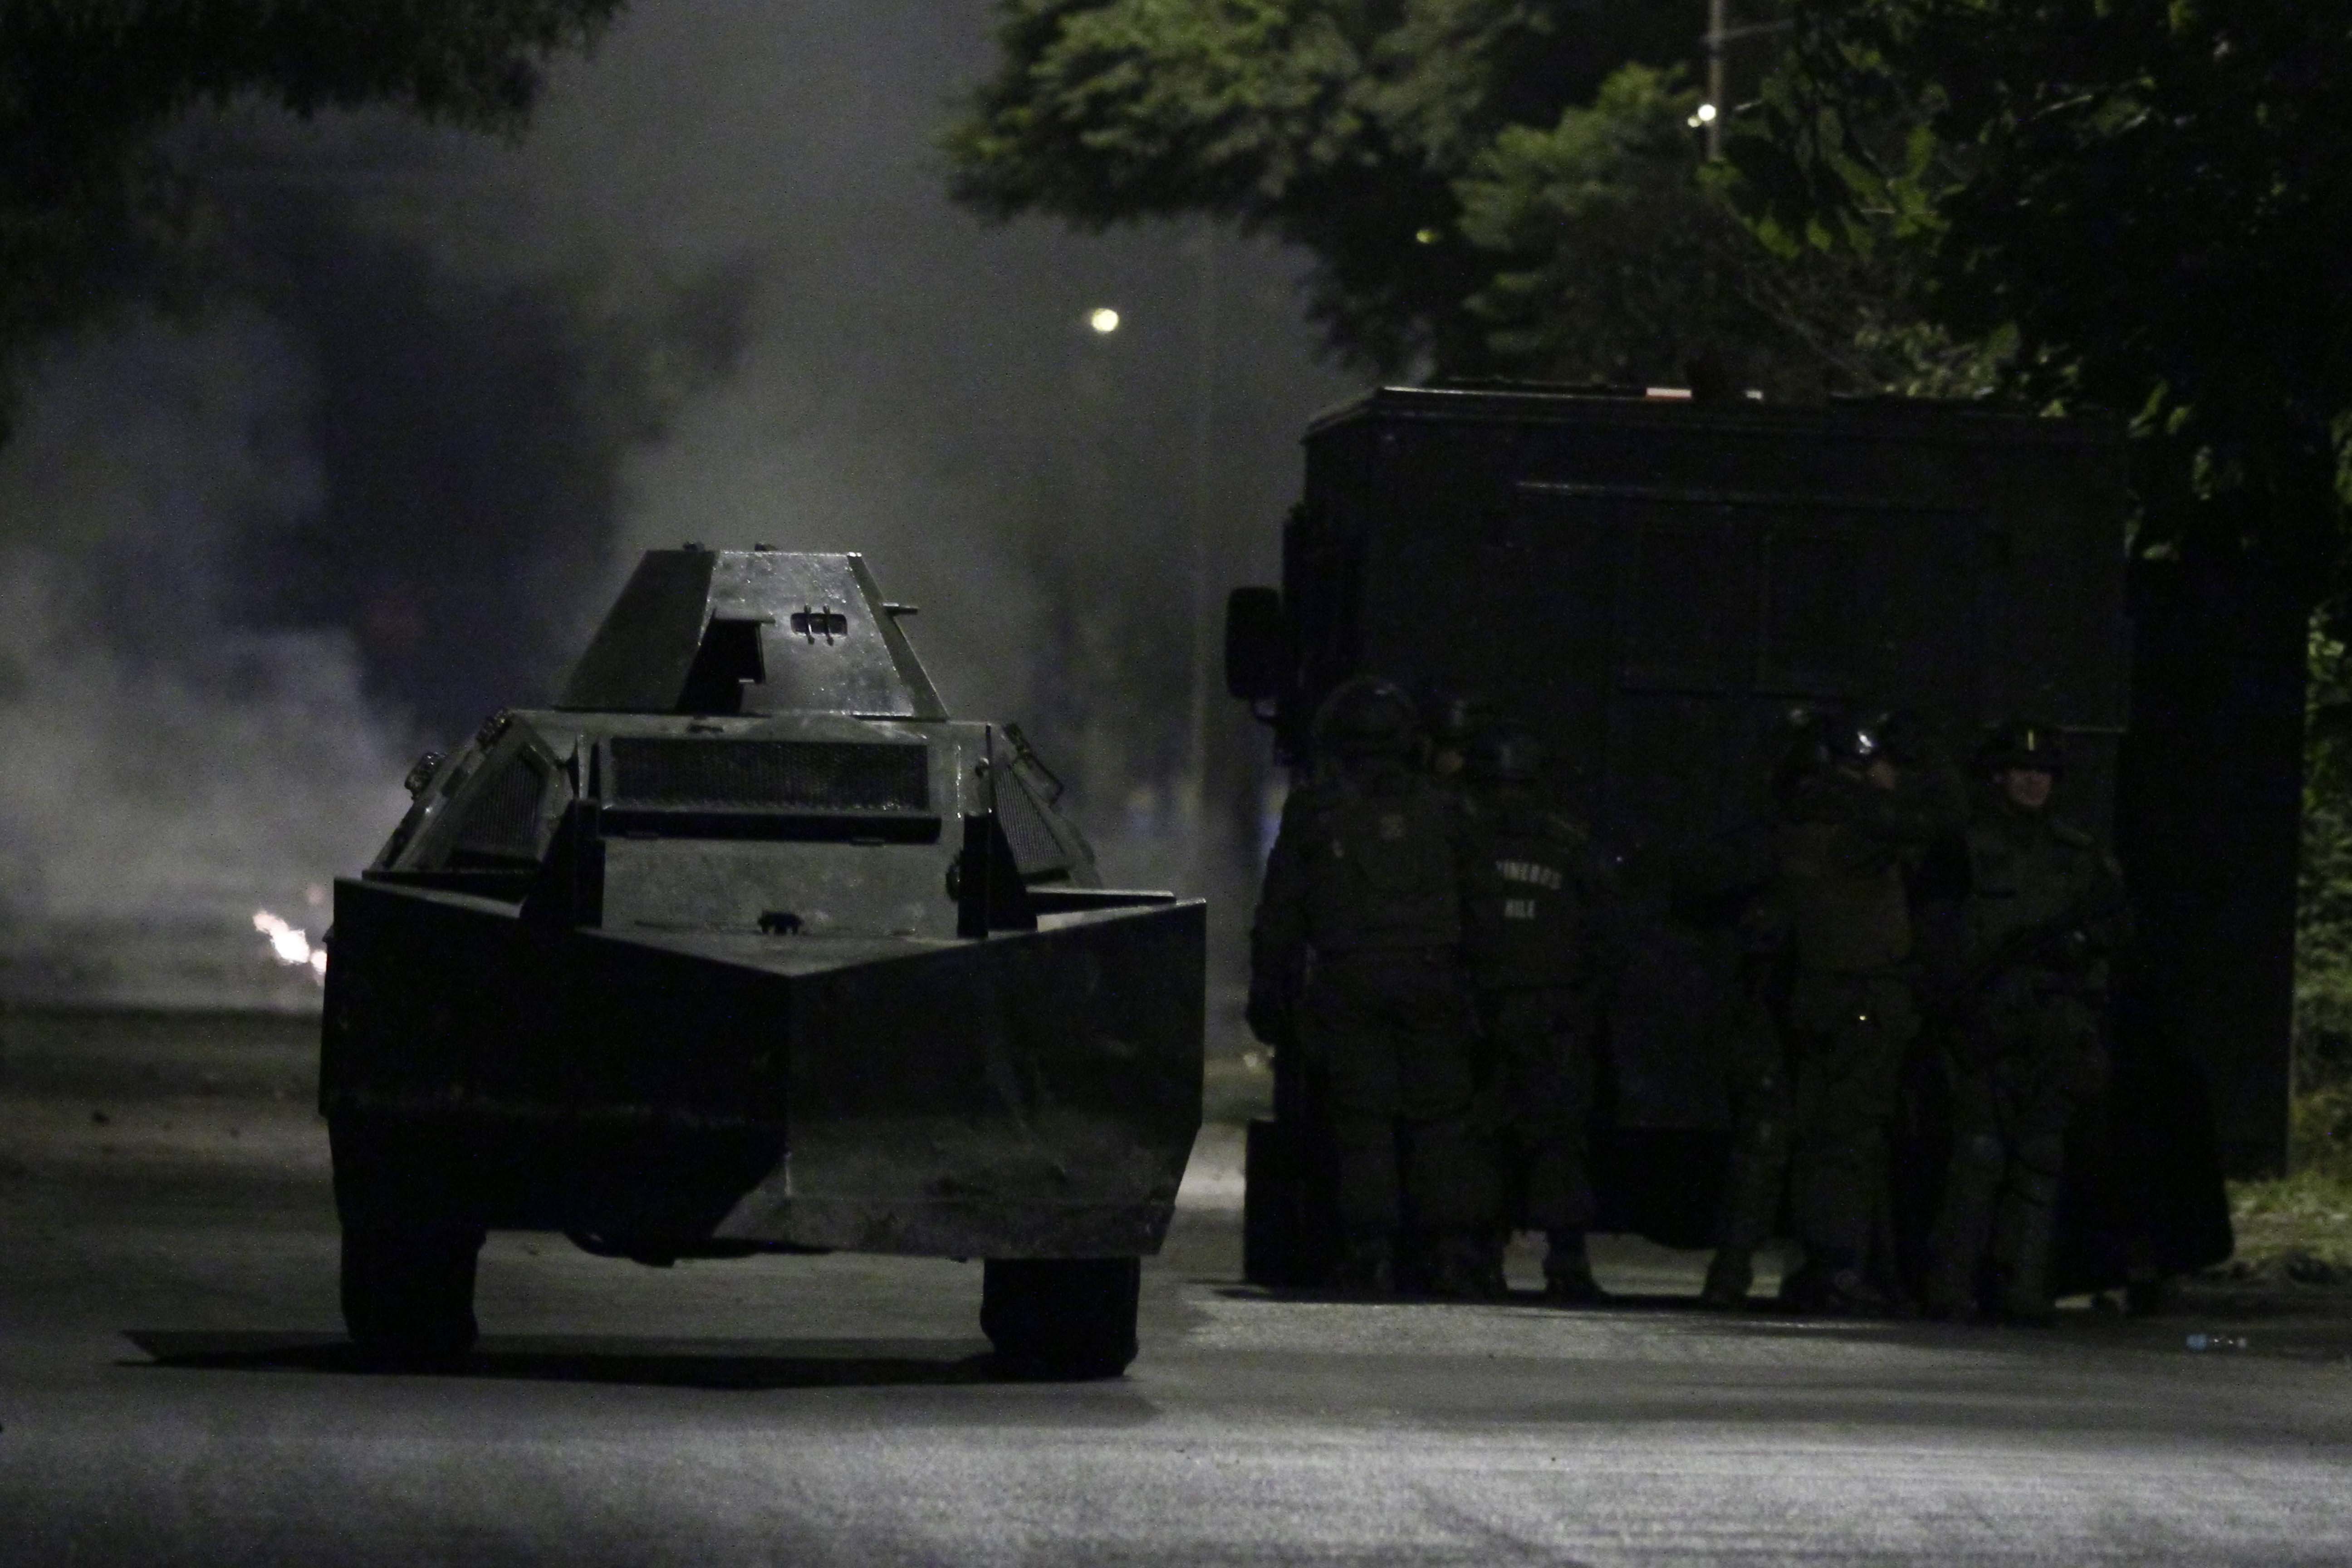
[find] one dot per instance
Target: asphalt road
(173, 1389)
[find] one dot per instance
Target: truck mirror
(1258, 644)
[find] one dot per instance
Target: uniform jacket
(2031, 875)
(1535, 892)
(1366, 858)
(1845, 846)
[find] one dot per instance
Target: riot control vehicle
(1653, 583)
(745, 945)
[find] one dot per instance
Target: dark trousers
(1762, 1127)
(2016, 1079)
(1388, 1033)
(1853, 1030)
(1539, 1101)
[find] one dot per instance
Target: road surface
(174, 1389)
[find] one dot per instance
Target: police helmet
(1367, 716)
(1451, 718)
(2023, 745)
(1820, 736)
(1505, 753)
(1857, 742)
(1905, 737)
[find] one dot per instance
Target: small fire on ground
(292, 944)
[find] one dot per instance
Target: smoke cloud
(448, 388)
(154, 756)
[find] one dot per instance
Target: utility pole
(1194, 801)
(1719, 34)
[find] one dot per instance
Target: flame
(290, 944)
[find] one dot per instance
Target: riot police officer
(1453, 721)
(1355, 956)
(2043, 910)
(1534, 899)
(1852, 824)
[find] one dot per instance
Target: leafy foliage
(2297, 1219)
(1395, 142)
(1486, 186)
(2322, 958)
(1613, 252)
(88, 214)
(2155, 196)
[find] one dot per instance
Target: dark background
(448, 387)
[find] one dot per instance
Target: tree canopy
(2151, 198)
(1610, 251)
(1485, 186)
(87, 85)
(2151, 201)
(1347, 127)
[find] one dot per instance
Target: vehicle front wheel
(1061, 1318)
(408, 1293)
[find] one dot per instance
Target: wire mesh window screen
(502, 820)
(817, 775)
(1035, 850)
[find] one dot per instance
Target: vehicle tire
(1064, 1319)
(408, 1264)
(408, 1292)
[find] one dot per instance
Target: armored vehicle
(745, 946)
(1653, 582)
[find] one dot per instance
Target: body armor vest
(1845, 901)
(2028, 871)
(1381, 869)
(1527, 896)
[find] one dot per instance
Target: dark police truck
(1653, 582)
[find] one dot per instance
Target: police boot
(1752, 1191)
(1885, 1271)
(1950, 1295)
(1832, 1285)
(2022, 1234)
(1367, 1267)
(1568, 1271)
(2028, 1225)
(1494, 1282)
(1957, 1244)
(1463, 1267)
(1729, 1276)
(2147, 1292)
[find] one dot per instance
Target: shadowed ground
(175, 1389)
